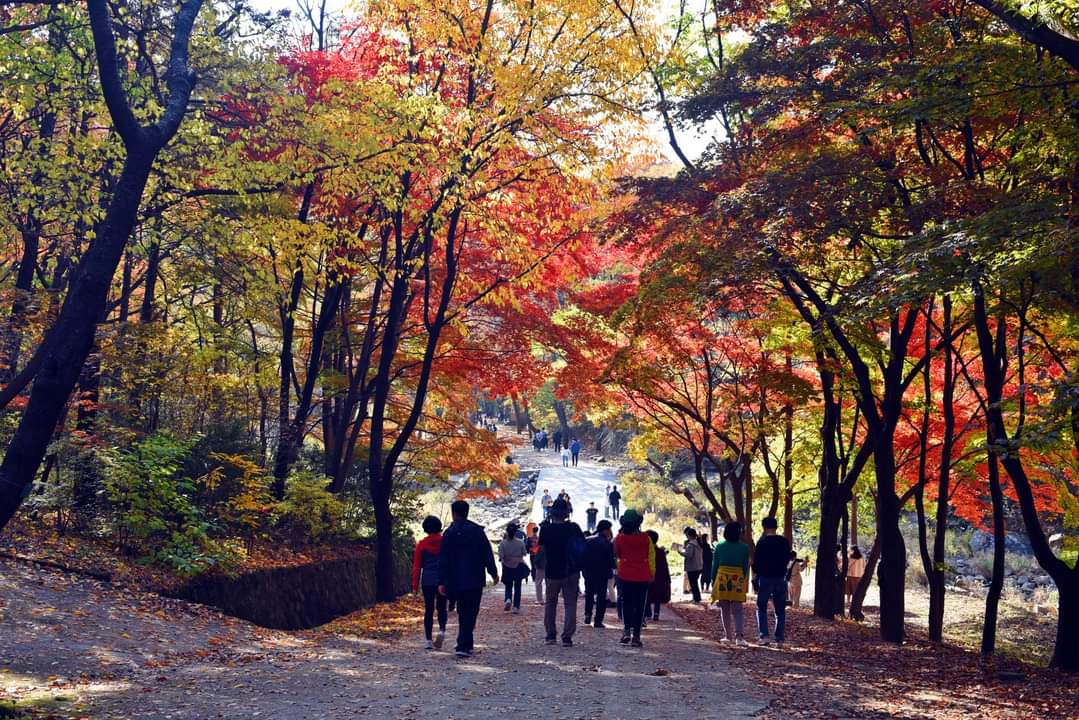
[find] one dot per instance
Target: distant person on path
(694, 562)
(607, 505)
(730, 573)
(564, 543)
(569, 505)
(543, 439)
(706, 561)
(539, 563)
(465, 555)
(592, 512)
(575, 450)
(636, 558)
(557, 437)
(770, 565)
(598, 566)
(659, 592)
(615, 499)
(565, 457)
(545, 502)
(794, 579)
(511, 553)
(425, 575)
(855, 569)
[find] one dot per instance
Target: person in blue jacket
(464, 555)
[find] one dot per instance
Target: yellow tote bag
(729, 584)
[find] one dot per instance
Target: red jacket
(425, 559)
(636, 557)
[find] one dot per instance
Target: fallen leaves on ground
(842, 669)
(384, 620)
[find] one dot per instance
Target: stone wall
(299, 597)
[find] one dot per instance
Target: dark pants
(468, 609)
(513, 586)
(433, 599)
(695, 584)
(575, 458)
(775, 589)
(634, 601)
(595, 599)
(655, 609)
(614, 509)
(706, 576)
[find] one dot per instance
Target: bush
(153, 507)
(310, 511)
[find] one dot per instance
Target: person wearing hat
(563, 543)
(636, 557)
(598, 567)
(511, 553)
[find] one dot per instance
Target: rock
(1022, 580)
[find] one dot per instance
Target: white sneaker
(438, 639)
(764, 641)
(741, 642)
(724, 641)
(429, 646)
(516, 611)
(507, 606)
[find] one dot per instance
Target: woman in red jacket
(425, 574)
(636, 557)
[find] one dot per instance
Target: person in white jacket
(693, 562)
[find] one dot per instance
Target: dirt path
(110, 654)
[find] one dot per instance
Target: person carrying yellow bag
(730, 581)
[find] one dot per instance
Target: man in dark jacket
(614, 499)
(465, 554)
(597, 565)
(770, 559)
(563, 542)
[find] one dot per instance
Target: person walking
(539, 563)
(794, 579)
(425, 575)
(706, 562)
(770, 566)
(607, 503)
(592, 513)
(694, 562)
(636, 558)
(575, 450)
(565, 457)
(730, 573)
(659, 592)
(598, 565)
(511, 553)
(569, 505)
(614, 498)
(557, 437)
(464, 555)
(564, 543)
(855, 569)
(545, 502)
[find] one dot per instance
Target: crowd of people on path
(627, 571)
(568, 448)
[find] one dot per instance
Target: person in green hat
(636, 557)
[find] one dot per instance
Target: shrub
(309, 510)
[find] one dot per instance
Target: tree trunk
(891, 574)
(858, 598)
(563, 420)
(996, 583)
(827, 593)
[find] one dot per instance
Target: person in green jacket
(730, 581)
